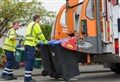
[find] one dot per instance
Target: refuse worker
(9, 47)
(33, 35)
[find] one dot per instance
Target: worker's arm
(39, 33)
(16, 38)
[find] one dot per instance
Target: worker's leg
(30, 55)
(8, 68)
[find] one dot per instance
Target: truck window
(63, 19)
(90, 9)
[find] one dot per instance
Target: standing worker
(9, 48)
(33, 35)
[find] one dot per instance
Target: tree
(22, 11)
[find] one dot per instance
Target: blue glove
(40, 44)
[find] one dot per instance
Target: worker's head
(36, 18)
(15, 25)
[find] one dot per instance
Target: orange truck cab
(96, 26)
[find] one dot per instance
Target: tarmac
(82, 68)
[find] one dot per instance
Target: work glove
(40, 44)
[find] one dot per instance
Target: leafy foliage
(21, 10)
(46, 29)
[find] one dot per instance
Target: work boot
(6, 77)
(13, 77)
(33, 80)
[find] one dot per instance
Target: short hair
(35, 17)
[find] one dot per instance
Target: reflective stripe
(8, 33)
(38, 34)
(31, 40)
(27, 75)
(29, 36)
(7, 72)
(11, 34)
(35, 36)
(28, 71)
(9, 45)
(32, 29)
(8, 69)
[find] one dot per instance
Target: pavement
(82, 68)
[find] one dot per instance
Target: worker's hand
(45, 42)
(39, 45)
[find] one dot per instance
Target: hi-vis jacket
(34, 34)
(10, 44)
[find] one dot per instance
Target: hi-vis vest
(34, 34)
(10, 44)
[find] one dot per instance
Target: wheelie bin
(65, 61)
(47, 62)
(20, 55)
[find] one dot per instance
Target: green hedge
(46, 29)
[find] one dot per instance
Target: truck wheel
(66, 77)
(116, 69)
(44, 73)
(56, 76)
(51, 74)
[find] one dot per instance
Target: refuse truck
(94, 29)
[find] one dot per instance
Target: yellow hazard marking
(69, 45)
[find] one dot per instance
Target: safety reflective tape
(8, 69)
(27, 75)
(108, 30)
(31, 31)
(8, 33)
(30, 40)
(7, 72)
(32, 28)
(28, 71)
(9, 45)
(29, 36)
(11, 35)
(38, 34)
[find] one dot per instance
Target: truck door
(64, 24)
(89, 35)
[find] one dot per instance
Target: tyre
(66, 77)
(44, 73)
(56, 76)
(116, 69)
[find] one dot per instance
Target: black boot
(13, 77)
(6, 77)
